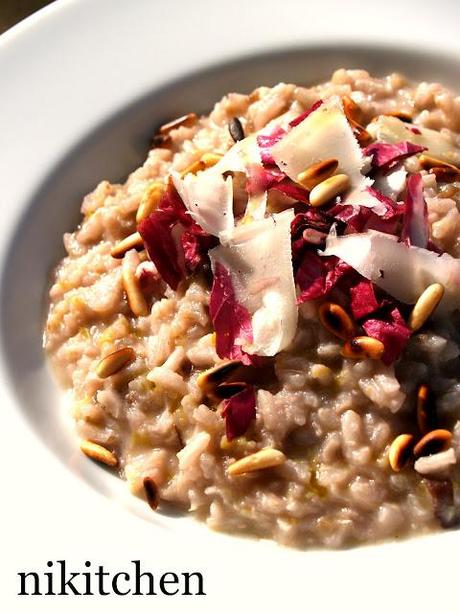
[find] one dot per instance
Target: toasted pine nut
(227, 390)
(98, 453)
(336, 320)
(185, 120)
(150, 200)
(208, 380)
(362, 347)
(329, 188)
(428, 161)
(133, 241)
(351, 109)
(448, 191)
(211, 159)
(426, 409)
(194, 167)
(361, 134)
(400, 451)
(265, 458)
(115, 361)
(425, 306)
(402, 115)
(445, 175)
(151, 492)
(317, 173)
(136, 299)
(433, 442)
(160, 141)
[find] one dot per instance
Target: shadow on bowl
(111, 151)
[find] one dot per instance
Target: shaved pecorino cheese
(208, 197)
(258, 257)
(401, 270)
(323, 134)
(440, 145)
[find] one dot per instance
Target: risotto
(261, 326)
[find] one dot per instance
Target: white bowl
(80, 111)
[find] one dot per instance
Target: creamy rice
(333, 418)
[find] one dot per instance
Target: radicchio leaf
(262, 178)
(156, 232)
(232, 322)
(239, 411)
(305, 114)
(175, 243)
(196, 243)
(386, 156)
(317, 276)
(394, 334)
(292, 190)
(415, 227)
(309, 229)
(266, 142)
(363, 299)
(384, 218)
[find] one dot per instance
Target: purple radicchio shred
(317, 276)
(156, 232)
(260, 179)
(415, 226)
(263, 178)
(392, 332)
(292, 190)
(363, 299)
(196, 244)
(295, 122)
(239, 411)
(308, 230)
(266, 142)
(386, 156)
(176, 244)
(231, 320)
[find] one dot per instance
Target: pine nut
(193, 168)
(265, 458)
(317, 173)
(206, 161)
(150, 200)
(227, 390)
(211, 159)
(428, 161)
(400, 451)
(330, 188)
(425, 306)
(136, 299)
(151, 492)
(208, 380)
(433, 442)
(133, 241)
(426, 409)
(361, 134)
(98, 453)
(362, 347)
(402, 115)
(184, 121)
(445, 175)
(351, 109)
(115, 361)
(336, 320)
